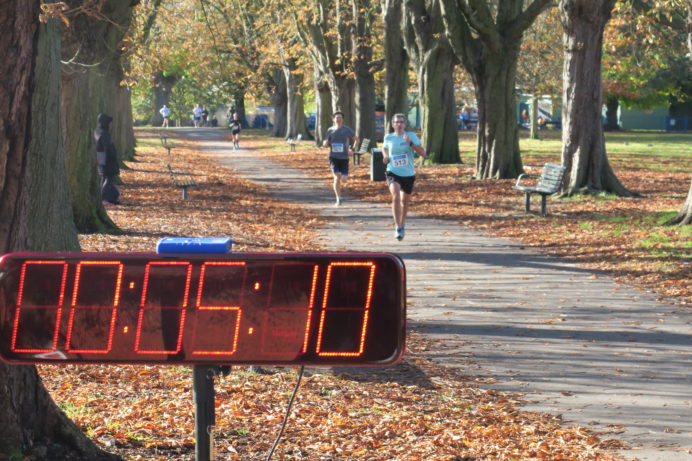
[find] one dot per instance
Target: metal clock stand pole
(202, 375)
(205, 416)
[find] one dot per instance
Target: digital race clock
(319, 309)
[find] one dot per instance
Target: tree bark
(279, 100)
(91, 82)
(362, 66)
(331, 53)
(396, 63)
(35, 215)
(534, 118)
(684, 216)
(611, 123)
(434, 62)
(323, 99)
(296, 123)
(583, 151)
(162, 87)
(487, 42)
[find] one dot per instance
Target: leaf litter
(414, 410)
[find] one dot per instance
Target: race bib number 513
(400, 160)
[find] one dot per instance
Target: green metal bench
(294, 142)
(548, 183)
(165, 143)
(363, 149)
(181, 180)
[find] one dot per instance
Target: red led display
(335, 308)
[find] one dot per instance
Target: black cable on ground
(288, 412)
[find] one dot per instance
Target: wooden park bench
(165, 143)
(363, 149)
(294, 142)
(181, 180)
(547, 184)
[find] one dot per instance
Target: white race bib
(400, 160)
(337, 147)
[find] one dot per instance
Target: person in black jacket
(107, 161)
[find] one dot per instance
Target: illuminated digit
(345, 309)
(216, 325)
(286, 326)
(92, 314)
(155, 331)
(37, 322)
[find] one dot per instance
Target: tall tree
(486, 37)
(396, 62)
(363, 13)
(324, 29)
(279, 100)
(684, 216)
(35, 215)
(434, 61)
(583, 149)
(91, 81)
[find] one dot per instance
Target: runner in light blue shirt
(399, 149)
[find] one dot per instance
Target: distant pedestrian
(399, 149)
(465, 118)
(165, 113)
(235, 125)
(205, 116)
(107, 161)
(197, 115)
(341, 140)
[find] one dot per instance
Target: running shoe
(338, 201)
(398, 233)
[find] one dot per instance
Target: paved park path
(601, 354)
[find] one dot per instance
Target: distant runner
(399, 149)
(165, 113)
(340, 140)
(235, 126)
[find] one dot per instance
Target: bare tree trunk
(362, 65)
(279, 100)
(162, 87)
(323, 98)
(583, 151)
(296, 123)
(343, 92)
(497, 155)
(396, 63)
(331, 53)
(685, 214)
(534, 118)
(434, 62)
(35, 215)
(91, 82)
(486, 38)
(239, 104)
(612, 105)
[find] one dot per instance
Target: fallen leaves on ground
(620, 236)
(414, 410)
